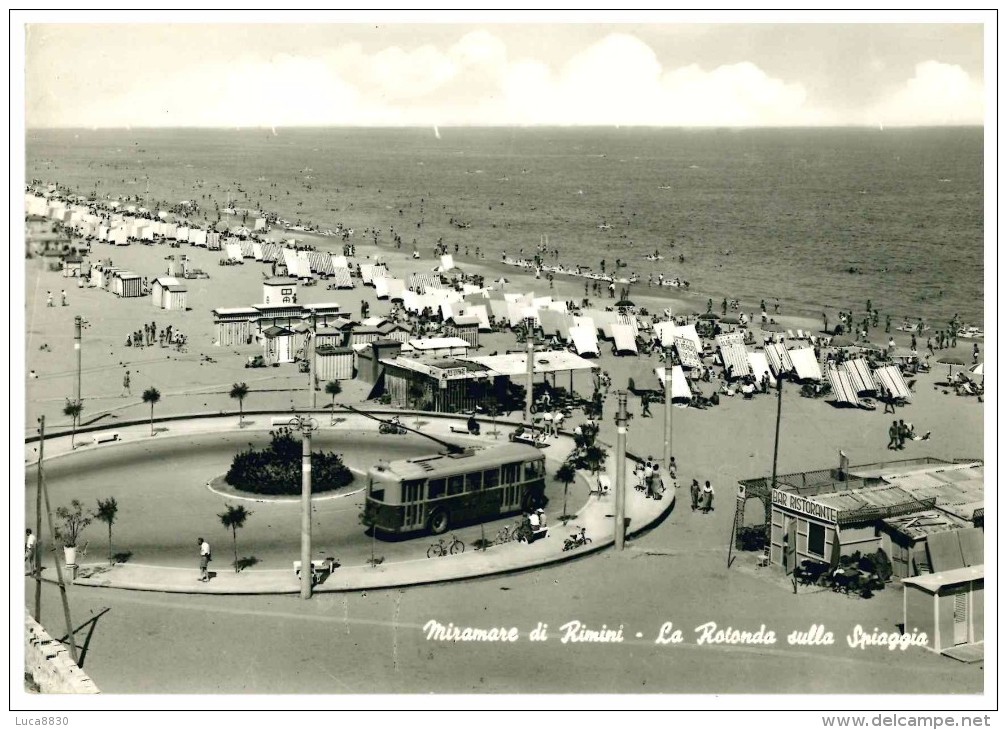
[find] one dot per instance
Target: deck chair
(801, 335)
(790, 335)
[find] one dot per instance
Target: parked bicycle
(440, 548)
(507, 533)
(576, 540)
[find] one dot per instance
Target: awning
(890, 380)
(860, 375)
(625, 340)
(805, 363)
(516, 363)
(667, 331)
(679, 385)
(585, 340)
(735, 358)
(760, 366)
(842, 388)
(779, 358)
(687, 352)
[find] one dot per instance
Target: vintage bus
(442, 490)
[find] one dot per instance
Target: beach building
(438, 346)
(235, 325)
(333, 363)
(369, 361)
(279, 290)
(127, 284)
(463, 327)
(157, 289)
(821, 515)
(949, 607)
(277, 345)
(331, 337)
(444, 385)
(394, 331)
(72, 266)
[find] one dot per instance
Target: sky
(269, 75)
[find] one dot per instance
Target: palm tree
(239, 391)
(152, 395)
(106, 512)
(232, 519)
(566, 474)
(73, 409)
(333, 388)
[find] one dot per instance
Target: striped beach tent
(668, 331)
(321, 263)
(860, 375)
(270, 253)
(779, 358)
(735, 359)
(341, 279)
(247, 249)
(843, 390)
(890, 381)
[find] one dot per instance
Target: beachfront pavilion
(819, 516)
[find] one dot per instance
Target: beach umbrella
(842, 341)
(625, 303)
(709, 316)
(950, 360)
(730, 320)
(977, 369)
(773, 327)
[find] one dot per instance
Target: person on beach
(903, 433)
(125, 384)
(694, 490)
(62, 294)
(645, 403)
(204, 560)
(893, 435)
(888, 323)
(975, 353)
(706, 498)
(48, 298)
(30, 544)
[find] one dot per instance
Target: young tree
(106, 512)
(233, 519)
(152, 395)
(333, 388)
(73, 409)
(238, 392)
(567, 475)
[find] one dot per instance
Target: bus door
(414, 507)
(510, 480)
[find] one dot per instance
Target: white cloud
(939, 93)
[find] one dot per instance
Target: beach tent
(779, 358)
(889, 379)
(860, 376)
(247, 249)
(321, 263)
(805, 363)
(197, 237)
(341, 279)
(735, 359)
(731, 338)
(339, 261)
(447, 262)
(760, 366)
(668, 331)
(688, 355)
(292, 262)
(479, 311)
(585, 341)
(304, 268)
(118, 236)
(499, 309)
(380, 287)
(270, 253)
(158, 287)
(625, 340)
(843, 390)
(257, 250)
(554, 324)
(679, 385)
(233, 251)
(423, 280)
(396, 289)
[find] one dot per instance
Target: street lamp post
(667, 409)
(621, 419)
(528, 396)
(78, 321)
(306, 425)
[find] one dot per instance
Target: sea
(816, 218)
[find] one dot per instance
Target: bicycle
(440, 548)
(576, 540)
(507, 533)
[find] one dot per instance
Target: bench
(103, 438)
(456, 429)
(319, 568)
(526, 440)
(281, 421)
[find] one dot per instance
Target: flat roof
(917, 526)
(933, 582)
(435, 343)
(551, 361)
(470, 460)
(235, 310)
(280, 281)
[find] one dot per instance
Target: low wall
(50, 666)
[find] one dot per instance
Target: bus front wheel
(439, 522)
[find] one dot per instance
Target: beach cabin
(464, 327)
(277, 345)
(904, 539)
(370, 357)
(333, 363)
(949, 608)
(157, 289)
(443, 385)
(260, 224)
(331, 337)
(362, 335)
(279, 290)
(325, 314)
(394, 331)
(235, 325)
(72, 267)
(127, 284)
(176, 297)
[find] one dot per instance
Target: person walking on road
(694, 493)
(125, 385)
(30, 544)
(645, 402)
(204, 560)
(893, 435)
(706, 498)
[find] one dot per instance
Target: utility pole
(776, 442)
(59, 568)
(667, 410)
(621, 419)
(528, 397)
(77, 322)
(306, 425)
(311, 361)
(36, 559)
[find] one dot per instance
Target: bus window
(534, 469)
(378, 495)
(491, 478)
(511, 473)
(473, 481)
(412, 490)
(436, 488)
(455, 484)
